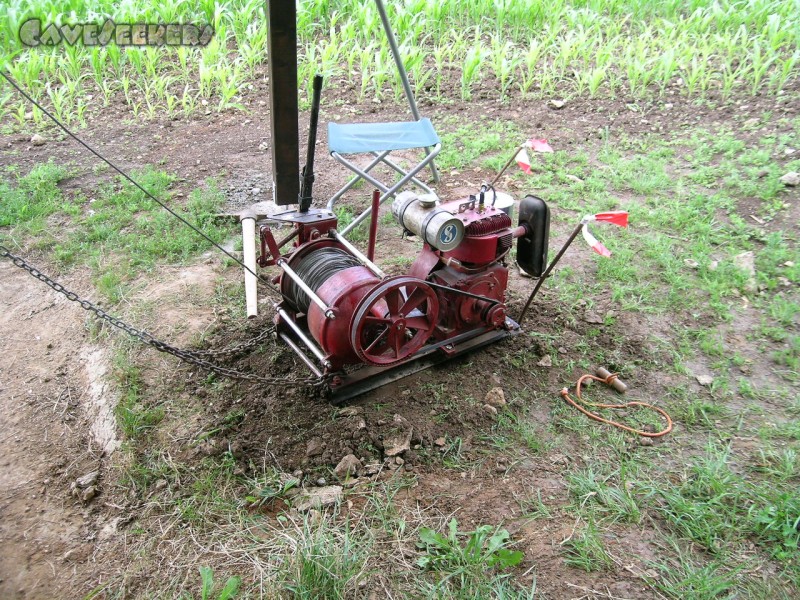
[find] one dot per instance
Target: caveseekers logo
(33, 34)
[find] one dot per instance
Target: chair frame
(386, 191)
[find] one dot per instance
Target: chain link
(199, 358)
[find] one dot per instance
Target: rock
(87, 480)
(592, 317)
(645, 441)
(255, 191)
(399, 461)
(792, 178)
(321, 482)
(350, 411)
(746, 262)
(704, 380)
(562, 350)
(161, 484)
(691, 263)
(38, 140)
(88, 494)
(372, 469)
(547, 361)
(315, 447)
(440, 441)
(495, 397)
(349, 465)
(556, 104)
(490, 409)
(713, 265)
(319, 498)
(559, 459)
(500, 468)
(399, 441)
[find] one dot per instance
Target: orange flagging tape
(608, 381)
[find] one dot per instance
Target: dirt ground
(62, 537)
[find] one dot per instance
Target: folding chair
(379, 140)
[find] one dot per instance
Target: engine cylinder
(425, 217)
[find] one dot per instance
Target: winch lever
(307, 178)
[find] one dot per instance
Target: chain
(195, 357)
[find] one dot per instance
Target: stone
(704, 380)
(400, 440)
(691, 263)
(547, 361)
(645, 441)
(440, 441)
(592, 317)
(556, 104)
(321, 482)
(38, 140)
(495, 397)
(350, 411)
(372, 468)
(315, 447)
(319, 498)
(791, 178)
(399, 461)
(349, 465)
(88, 494)
(490, 409)
(746, 262)
(161, 484)
(87, 480)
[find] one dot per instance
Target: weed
(462, 566)
(585, 550)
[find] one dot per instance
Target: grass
(509, 50)
(118, 233)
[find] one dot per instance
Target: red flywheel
(394, 320)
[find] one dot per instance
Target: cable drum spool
(424, 217)
(315, 269)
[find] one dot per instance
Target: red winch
(346, 311)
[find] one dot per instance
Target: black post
(306, 195)
(282, 15)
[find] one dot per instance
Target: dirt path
(51, 435)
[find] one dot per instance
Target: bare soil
(57, 397)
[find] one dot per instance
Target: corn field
(507, 49)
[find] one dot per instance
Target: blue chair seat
(377, 137)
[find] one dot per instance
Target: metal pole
(412, 103)
(304, 338)
(355, 252)
(373, 224)
(302, 285)
(539, 283)
(300, 354)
